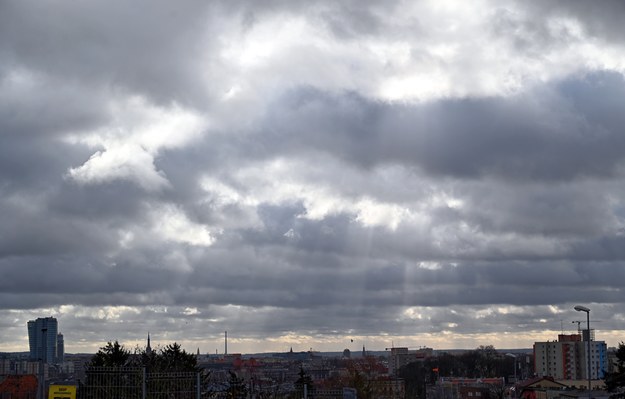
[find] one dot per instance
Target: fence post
(197, 384)
(143, 385)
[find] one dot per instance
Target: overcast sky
(304, 174)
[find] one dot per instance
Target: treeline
(116, 372)
(482, 362)
(169, 358)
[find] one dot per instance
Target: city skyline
(312, 174)
(355, 344)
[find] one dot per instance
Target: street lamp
(42, 364)
(580, 308)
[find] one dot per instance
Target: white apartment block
(566, 359)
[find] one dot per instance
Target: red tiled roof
(19, 385)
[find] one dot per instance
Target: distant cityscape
(574, 361)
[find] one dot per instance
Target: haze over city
(321, 175)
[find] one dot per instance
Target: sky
(311, 175)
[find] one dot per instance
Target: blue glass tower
(42, 339)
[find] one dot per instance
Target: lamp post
(42, 364)
(580, 308)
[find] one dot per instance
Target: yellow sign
(62, 392)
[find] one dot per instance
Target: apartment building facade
(567, 358)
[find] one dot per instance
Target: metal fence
(137, 383)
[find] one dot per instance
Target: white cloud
(190, 311)
(126, 161)
(421, 52)
(130, 142)
(171, 224)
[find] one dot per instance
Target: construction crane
(579, 323)
(579, 328)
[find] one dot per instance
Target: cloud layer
(305, 174)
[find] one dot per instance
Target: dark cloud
(184, 169)
(148, 48)
(552, 134)
(601, 22)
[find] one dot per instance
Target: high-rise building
(567, 358)
(42, 339)
(60, 348)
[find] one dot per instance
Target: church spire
(148, 349)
